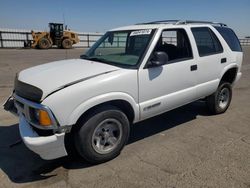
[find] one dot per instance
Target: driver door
(162, 88)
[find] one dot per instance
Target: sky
(100, 16)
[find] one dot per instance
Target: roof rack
(179, 22)
(199, 22)
(159, 22)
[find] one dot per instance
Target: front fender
(76, 114)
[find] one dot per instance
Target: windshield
(121, 48)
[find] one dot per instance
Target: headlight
(38, 115)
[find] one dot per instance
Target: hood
(54, 76)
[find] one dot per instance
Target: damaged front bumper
(47, 147)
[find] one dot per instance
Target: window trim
(174, 60)
(141, 58)
(211, 33)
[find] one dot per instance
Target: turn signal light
(44, 118)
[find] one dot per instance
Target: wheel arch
(229, 74)
(120, 100)
(65, 37)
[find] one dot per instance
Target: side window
(206, 40)
(230, 37)
(175, 43)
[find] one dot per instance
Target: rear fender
(226, 68)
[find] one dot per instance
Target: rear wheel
(44, 43)
(219, 101)
(102, 135)
(66, 44)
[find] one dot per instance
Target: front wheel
(102, 135)
(66, 44)
(219, 101)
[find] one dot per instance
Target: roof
(162, 23)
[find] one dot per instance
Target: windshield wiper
(92, 58)
(83, 56)
(102, 60)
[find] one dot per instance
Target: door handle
(223, 60)
(193, 67)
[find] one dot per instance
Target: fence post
(27, 38)
(88, 39)
(1, 39)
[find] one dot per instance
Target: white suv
(132, 73)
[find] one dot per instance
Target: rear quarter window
(230, 37)
(206, 41)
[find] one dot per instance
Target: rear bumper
(48, 147)
(238, 76)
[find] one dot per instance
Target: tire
(44, 43)
(102, 135)
(66, 44)
(219, 101)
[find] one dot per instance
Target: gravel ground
(185, 147)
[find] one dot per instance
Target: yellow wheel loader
(57, 36)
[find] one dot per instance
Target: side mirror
(158, 59)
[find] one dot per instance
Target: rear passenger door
(210, 57)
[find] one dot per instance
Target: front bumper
(48, 147)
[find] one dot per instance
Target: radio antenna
(63, 18)
(66, 50)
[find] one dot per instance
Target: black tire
(66, 44)
(91, 127)
(27, 44)
(219, 101)
(44, 43)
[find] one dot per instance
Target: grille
(27, 91)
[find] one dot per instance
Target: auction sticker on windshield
(141, 32)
